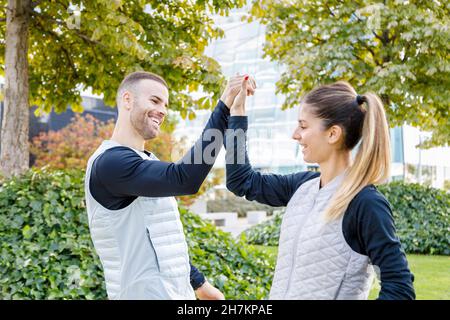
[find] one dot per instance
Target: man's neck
(128, 138)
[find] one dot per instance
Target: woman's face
(312, 136)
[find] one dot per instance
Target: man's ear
(127, 100)
(335, 134)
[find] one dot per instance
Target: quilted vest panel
(314, 260)
(142, 247)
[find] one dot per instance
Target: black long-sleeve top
(368, 224)
(120, 175)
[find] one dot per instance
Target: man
(133, 217)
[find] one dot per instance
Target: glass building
(270, 145)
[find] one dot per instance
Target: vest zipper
(153, 247)
(339, 288)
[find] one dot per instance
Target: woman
(337, 225)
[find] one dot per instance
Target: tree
(72, 146)
(50, 50)
(398, 49)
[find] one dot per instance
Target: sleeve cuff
(223, 107)
(238, 122)
(197, 278)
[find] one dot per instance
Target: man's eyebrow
(158, 98)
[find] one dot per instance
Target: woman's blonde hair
(362, 118)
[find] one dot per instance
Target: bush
(266, 233)
(45, 243)
(47, 251)
(421, 217)
(240, 271)
(71, 146)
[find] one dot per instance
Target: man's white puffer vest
(314, 259)
(142, 247)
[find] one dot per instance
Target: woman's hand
(238, 106)
(233, 88)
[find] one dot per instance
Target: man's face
(149, 108)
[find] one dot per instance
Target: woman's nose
(296, 135)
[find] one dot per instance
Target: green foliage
(47, 251)
(240, 271)
(421, 214)
(422, 217)
(266, 233)
(45, 243)
(398, 49)
(73, 145)
(80, 44)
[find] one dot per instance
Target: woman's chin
(308, 159)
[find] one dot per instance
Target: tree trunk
(14, 155)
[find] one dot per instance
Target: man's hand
(234, 86)
(238, 106)
(208, 292)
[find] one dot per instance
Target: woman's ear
(335, 134)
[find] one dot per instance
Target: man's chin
(151, 135)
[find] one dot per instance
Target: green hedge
(266, 233)
(421, 216)
(47, 251)
(236, 268)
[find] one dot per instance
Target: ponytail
(372, 161)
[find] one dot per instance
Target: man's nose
(162, 111)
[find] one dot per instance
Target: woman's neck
(334, 166)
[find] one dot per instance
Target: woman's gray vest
(314, 259)
(142, 247)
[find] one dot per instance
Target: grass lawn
(431, 273)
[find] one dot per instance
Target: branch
(5, 8)
(358, 57)
(373, 32)
(63, 24)
(357, 17)
(329, 9)
(34, 4)
(370, 50)
(64, 50)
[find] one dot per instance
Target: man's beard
(139, 121)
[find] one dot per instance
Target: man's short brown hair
(133, 78)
